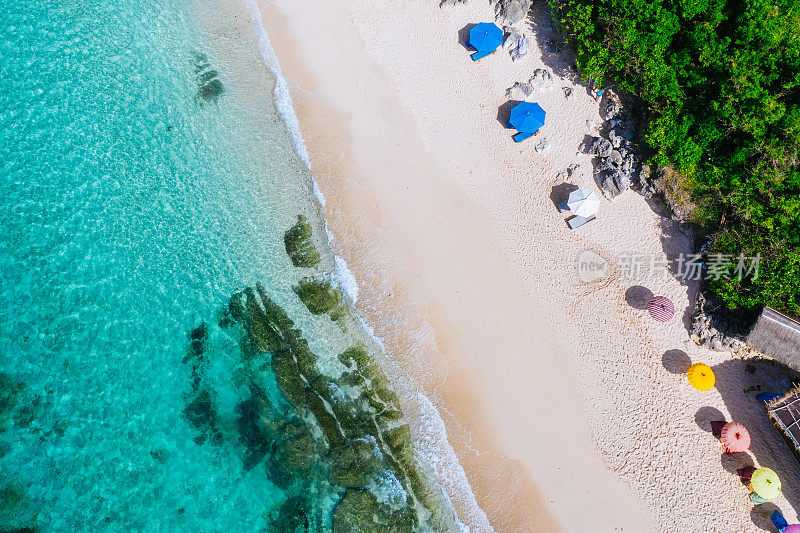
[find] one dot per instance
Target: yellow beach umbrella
(701, 377)
(765, 483)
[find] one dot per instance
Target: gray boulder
(615, 158)
(601, 147)
(519, 91)
(628, 163)
(615, 139)
(543, 147)
(542, 79)
(612, 109)
(569, 94)
(512, 37)
(451, 2)
(613, 183)
(512, 11)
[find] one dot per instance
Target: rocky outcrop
(715, 327)
(519, 91)
(354, 441)
(613, 183)
(620, 164)
(359, 512)
(451, 2)
(515, 43)
(210, 87)
(542, 79)
(299, 244)
(512, 11)
(601, 147)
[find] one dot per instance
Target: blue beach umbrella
(485, 37)
(527, 117)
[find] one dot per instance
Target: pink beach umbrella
(661, 308)
(792, 528)
(735, 437)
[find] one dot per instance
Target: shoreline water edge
(427, 428)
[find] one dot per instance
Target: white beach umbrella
(583, 203)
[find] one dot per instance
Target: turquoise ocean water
(140, 190)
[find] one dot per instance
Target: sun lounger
(779, 521)
(576, 221)
(563, 206)
(477, 56)
(521, 136)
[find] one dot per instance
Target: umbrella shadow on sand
(638, 297)
(761, 516)
(463, 37)
(676, 361)
(504, 113)
(738, 381)
(705, 416)
(560, 193)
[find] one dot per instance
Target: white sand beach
(559, 400)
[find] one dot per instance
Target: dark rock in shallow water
(291, 517)
(195, 355)
(359, 512)
(297, 448)
(321, 297)
(356, 464)
(202, 414)
(288, 377)
(17, 403)
(160, 455)
(263, 335)
(210, 86)
(257, 423)
(299, 246)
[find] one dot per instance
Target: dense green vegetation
(722, 82)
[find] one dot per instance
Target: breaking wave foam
(432, 444)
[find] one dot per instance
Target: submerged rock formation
(320, 298)
(209, 85)
(315, 434)
(299, 246)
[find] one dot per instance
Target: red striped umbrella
(661, 308)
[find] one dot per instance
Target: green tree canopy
(722, 82)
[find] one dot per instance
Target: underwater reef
(210, 87)
(18, 406)
(335, 437)
(299, 246)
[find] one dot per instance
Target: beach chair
(521, 136)
(477, 56)
(779, 521)
(576, 221)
